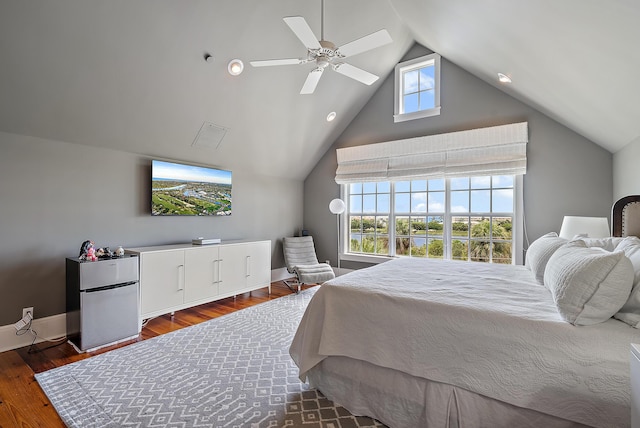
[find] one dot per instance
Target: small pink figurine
(91, 254)
(88, 252)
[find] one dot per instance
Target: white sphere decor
(337, 206)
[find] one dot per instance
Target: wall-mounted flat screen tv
(180, 189)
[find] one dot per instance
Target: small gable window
(417, 88)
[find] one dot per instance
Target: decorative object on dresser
(205, 241)
(88, 251)
(174, 277)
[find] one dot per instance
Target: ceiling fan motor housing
(325, 55)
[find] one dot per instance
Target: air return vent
(210, 136)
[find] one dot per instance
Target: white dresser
(175, 277)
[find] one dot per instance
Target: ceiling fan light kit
(325, 54)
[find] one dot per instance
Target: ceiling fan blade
(355, 73)
(312, 81)
(372, 41)
(270, 62)
(301, 29)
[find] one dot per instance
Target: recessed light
(503, 78)
(235, 67)
(331, 116)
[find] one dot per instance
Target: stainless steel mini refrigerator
(102, 301)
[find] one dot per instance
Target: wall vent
(210, 136)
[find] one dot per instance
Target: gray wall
(55, 195)
(626, 174)
(567, 174)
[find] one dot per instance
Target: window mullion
(392, 219)
(345, 227)
(491, 239)
(446, 233)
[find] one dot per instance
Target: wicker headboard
(625, 216)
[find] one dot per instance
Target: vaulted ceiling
(132, 75)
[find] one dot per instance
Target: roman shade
(497, 150)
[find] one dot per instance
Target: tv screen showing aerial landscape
(179, 189)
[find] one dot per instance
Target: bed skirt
(399, 400)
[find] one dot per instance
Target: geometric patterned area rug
(231, 371)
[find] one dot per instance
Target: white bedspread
(490, 329)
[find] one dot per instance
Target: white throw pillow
(589, 285)
(608, 244)
(539, 252)
(630, 312)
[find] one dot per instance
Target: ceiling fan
(325, 54)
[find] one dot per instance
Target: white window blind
(497, 150)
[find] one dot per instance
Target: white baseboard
(280, 274)
(52, 327)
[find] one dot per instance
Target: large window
(468, 218)
(417, 88)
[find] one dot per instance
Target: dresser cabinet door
(162, 280)
(258, 263)
(202, 268)
(233, 276)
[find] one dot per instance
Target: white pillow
(608, 244)
(589, 285)
(630, 312)
(539, 252)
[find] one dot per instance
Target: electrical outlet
(25, 310)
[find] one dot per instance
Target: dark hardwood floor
(22, 402)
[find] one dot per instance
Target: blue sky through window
(419, 89)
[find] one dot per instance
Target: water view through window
(468, 218)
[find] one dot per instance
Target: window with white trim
(417, 88)
(462, 218)
(454, 196)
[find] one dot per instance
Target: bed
(433, 343)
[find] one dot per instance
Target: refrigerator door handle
(107, 287)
